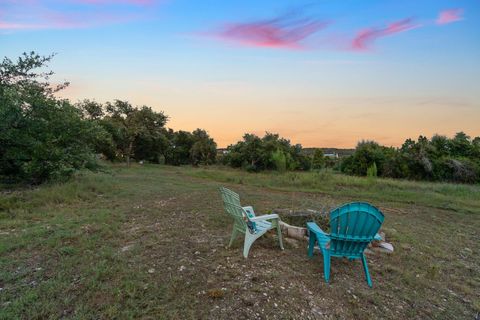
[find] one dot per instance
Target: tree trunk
(129, 152)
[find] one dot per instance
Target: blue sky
(322, 73)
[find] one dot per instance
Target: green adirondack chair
(245, 221)
(352, 227)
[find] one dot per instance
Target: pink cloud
(364, 38)
(19, 26)
(285, 32)
(36, 15)
(449, 16)
(65, 21)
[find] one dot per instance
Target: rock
(151, 270)
(384, 247)
(293, 242)
(293, 231)
(126, 248)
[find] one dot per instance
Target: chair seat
(263, 225)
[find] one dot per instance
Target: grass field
(149, 242)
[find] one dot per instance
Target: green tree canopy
(41, 137)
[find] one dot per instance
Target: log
(294, 232)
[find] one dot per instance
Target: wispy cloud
(449, 16)
(286, 31)
(366, 37)
(37, 14)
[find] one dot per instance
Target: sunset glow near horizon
(321, 73)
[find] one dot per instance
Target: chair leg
(279, 234)
(326, 265)
(249, 240)
(365, 268)
(311, 244)
(235, 233)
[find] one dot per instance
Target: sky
(323, 73)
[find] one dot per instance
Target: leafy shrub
(372, 171)
(440, 159)
(279, 160)
(267, 153)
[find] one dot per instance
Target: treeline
(139, 133)
(271, 152)
(43, 137)
(437, 159)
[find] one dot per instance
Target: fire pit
(293, 224)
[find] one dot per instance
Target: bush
(271, 152)
(372, 171)
(440, 159)
(279, 160)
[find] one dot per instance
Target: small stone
(127, 247)
(151, 270)
(182, 268)
(384, 247)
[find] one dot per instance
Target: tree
(439, 159)
(255, 154)
(41, 137)
(131, 125)
(318, 160)
(204, 148)
(91, 109)
(460, 145)
(366, 154)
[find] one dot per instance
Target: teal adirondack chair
(245, 221)
(352, 227)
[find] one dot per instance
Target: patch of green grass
(462, 198)
(149, 242)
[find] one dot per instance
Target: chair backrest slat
(352, 227)
(232, 206)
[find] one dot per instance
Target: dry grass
(149, 242)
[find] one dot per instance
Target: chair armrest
(313, 227)
(322, 237)
(265, 217)
(249, 211)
